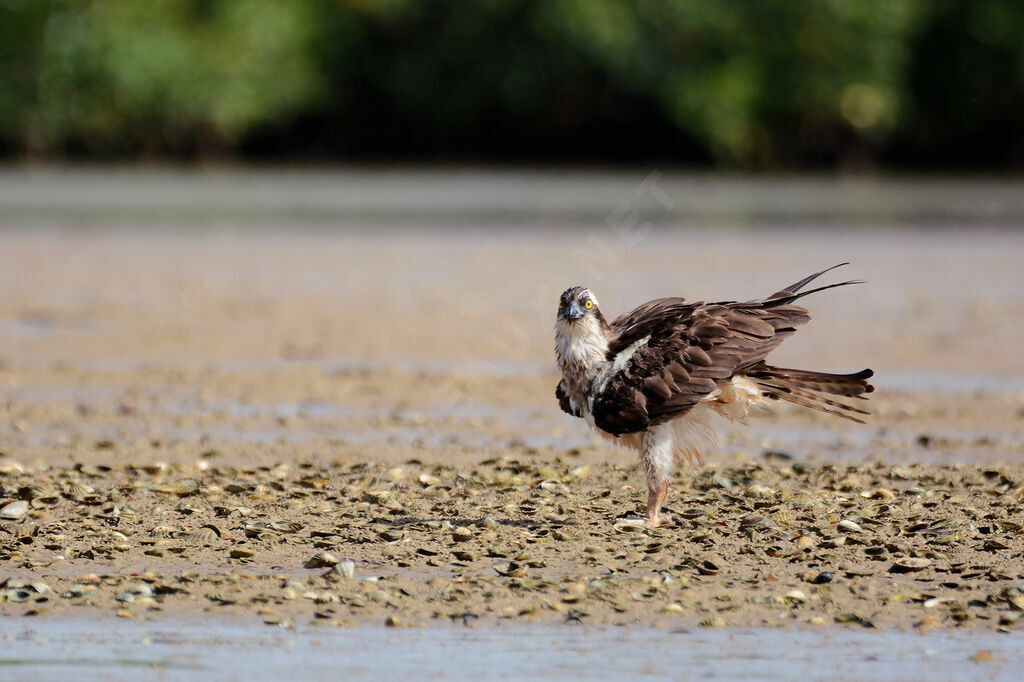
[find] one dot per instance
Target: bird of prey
(651, 378)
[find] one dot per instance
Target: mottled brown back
(691, 347)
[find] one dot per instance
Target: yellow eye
(561, 304)
(589, 304)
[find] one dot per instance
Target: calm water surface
(175, 650)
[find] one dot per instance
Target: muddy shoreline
(517, 537)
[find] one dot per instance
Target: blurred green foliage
(122, 75)
(751, 84)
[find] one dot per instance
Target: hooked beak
(575, 311)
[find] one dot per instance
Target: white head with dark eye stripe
(576, 303)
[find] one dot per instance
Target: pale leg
(656, 454)
(655, 498)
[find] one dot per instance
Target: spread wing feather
(689, 348)
(642, 320)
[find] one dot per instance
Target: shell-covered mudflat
(343, 426)
(769, 542)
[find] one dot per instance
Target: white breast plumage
(581, 350)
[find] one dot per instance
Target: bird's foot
(632, 521)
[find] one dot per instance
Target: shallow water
(179, 650)
(474, 195)
(187, 419)
(65, 411)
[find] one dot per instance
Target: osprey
(651, 378)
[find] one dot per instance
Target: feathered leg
(657, 456)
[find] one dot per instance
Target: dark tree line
(774, 83)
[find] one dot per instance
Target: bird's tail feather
(811, 389)
(797, 286)
(787, 297)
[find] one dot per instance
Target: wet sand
(189, 418)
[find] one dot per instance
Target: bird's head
(577, 303)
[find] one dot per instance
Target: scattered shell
(627, 525)
(796, 596)
(761, 492)
(14, 510)
(204, 535)
(344, 569)
(11, 467)
(285, 526)
(937, 601)
(136, 592)
(188, 486)
(379, 596)
(19, 595)
(804, 542)
(78, 489)
(76, 591)
(321, 560)
(462, 534)
(510, 568)
(708, 567)
(847, 526)
(823, 578)
(753, 522)
(855, 618)
(910, 565)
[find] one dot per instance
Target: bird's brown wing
(690, 348)
(642, 320)
(563, 399)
